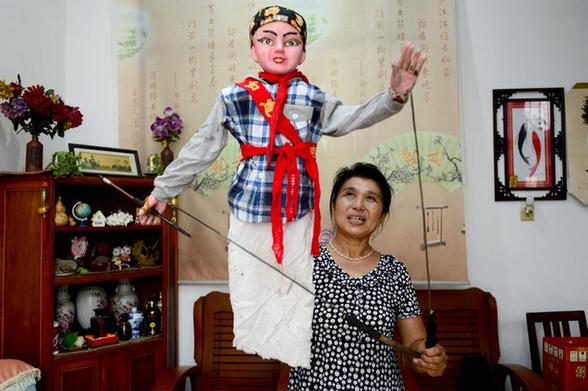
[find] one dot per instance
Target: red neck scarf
(281, 96)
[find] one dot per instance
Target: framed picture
(529, 144)
(103, 160)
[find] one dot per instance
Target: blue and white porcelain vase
(136, 321)
(124, 299)
(88, 299)
(64, 310)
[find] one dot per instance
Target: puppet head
(278, 38)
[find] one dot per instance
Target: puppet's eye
(265, 41)
(291, 42)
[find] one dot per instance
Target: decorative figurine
(100, 257)
(71, 222)
(81, 211)
(98, 219)
(146, 255)
(79, 247)
(61, 218)
(121, 257)
(116, 262)
(125, 256)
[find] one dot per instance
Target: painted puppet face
(358, 208)
(277, 47)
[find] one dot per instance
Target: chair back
(467, 327)
(222, 367)
(555, 324)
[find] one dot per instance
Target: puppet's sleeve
(195, 156)
(338, 119)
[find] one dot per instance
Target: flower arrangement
(166, 130)
(37, 110)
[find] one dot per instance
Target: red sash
(285, 166)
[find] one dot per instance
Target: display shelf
(120, 345)
(95, 277)
(30, 244)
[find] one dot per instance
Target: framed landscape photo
(529, 144)
(104, 160)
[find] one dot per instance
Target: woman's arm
(413, 334)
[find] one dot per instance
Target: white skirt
(272, 315)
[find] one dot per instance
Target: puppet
(277, 117)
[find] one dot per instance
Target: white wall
(540, 265)
(530, 266)
(65, 45)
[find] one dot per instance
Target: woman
(349, 275)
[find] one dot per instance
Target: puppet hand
(405, 71)
(143, 215)
(432, 362)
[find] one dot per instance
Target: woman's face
(358, 208)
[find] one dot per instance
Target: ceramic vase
(124, 299)
(34, 155)
(136, 321)
(64, 310)
(60, 215)
(88, 299)
(167, 155)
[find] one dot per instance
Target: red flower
(60, 113)
(34, 96)
(76, 117)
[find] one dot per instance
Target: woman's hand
(143, 215)
(405, 71)
(432, 361)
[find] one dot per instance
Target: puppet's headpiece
(275, 13)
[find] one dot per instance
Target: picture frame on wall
(108, 161)
(529, 144)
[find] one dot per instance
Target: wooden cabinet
(29, 244)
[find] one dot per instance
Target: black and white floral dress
(342, 357)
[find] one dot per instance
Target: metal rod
(431, 325)
(350, 319)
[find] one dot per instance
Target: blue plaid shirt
(250, 193)
(312, 112)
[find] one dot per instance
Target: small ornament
(98, 219)
(146, 255)
(125, 256)
(119, 218)
(79, 246)
(124, 330)
(81, 211)
(152, 317)
(72, 222)
(136, 321)
(99, 259)
(116, 262)
(61, 218)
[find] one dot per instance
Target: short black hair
(366, 171)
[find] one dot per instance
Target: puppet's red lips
(279, 60)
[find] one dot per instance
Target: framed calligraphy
(529, 144)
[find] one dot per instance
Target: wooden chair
(467, 326)
(219, 365)
(555, 324)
